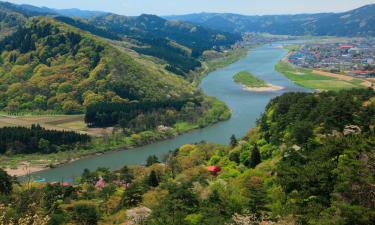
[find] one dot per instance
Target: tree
(255, 158)
(85, 214)
(153, 179)
(132, 196)
(126, 174)
(6, 182)
(257, 195)
(151, 160)
(233, 141)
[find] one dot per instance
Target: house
(214, 169)
(100, 184)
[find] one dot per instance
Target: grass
(307, 78)
(248, 79)
(292, 48)
(183, 127)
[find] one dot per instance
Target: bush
(85, 214)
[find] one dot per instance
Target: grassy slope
(248, 79)
(306, 78)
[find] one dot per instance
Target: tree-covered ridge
(196, 38)
(353, 23)
(9, 20)
(47, 65)
(21, 140)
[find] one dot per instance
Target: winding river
(246, 108)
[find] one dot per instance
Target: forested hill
(48, 65)
(357, 22)
(145, 26)
(177, 44)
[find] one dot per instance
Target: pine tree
(152, 159)
(255, 158)
(153, 179)
(233, 141)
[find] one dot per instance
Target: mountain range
(357, 22)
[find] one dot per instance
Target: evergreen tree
(85, 214)
(233, 141)
(255, 158)
(257, 195)
(153, 179)
(6, 182)
(132, 196)
(126, 174)
(151, 160)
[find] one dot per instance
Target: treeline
(110, 114)
(21, 140)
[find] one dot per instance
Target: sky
(174, 7)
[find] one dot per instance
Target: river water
(246, 108)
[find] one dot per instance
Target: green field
(306, 78)
(248, 79)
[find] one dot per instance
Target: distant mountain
(30, 10)
(358, 22)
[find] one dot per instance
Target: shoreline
(268, 88)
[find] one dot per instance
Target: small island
(251, 83)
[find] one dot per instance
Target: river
(246, 108)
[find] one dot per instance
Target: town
(355, 57)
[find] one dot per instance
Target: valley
(195, 119)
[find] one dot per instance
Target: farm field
(319, 80)
(52, 122)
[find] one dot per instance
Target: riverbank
(267, 88)
(316, 79)
(24, 164)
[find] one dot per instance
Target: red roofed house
(100, 184)
(214, 169)
(66, 184)
(346, 46)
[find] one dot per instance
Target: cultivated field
(52, 122)
(320, 80)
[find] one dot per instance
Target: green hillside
(47, 65)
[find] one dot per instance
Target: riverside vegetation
(249, 80)
(310, 160)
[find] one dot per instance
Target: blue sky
(169, 7)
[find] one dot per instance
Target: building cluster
(252, 39)
(355, 57)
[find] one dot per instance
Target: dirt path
(333, 75)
